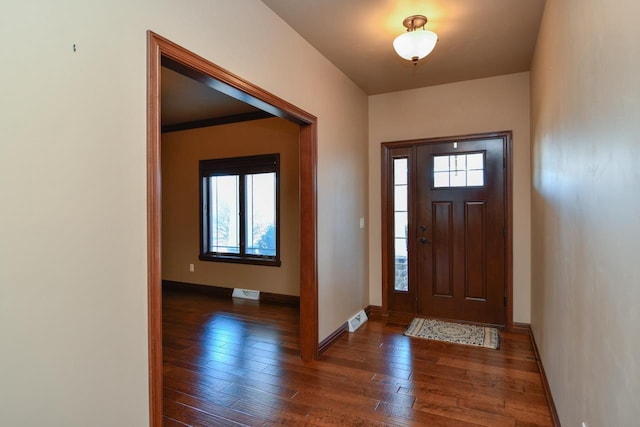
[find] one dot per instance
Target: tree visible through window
(240, 215)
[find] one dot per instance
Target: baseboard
(280, 299)
(520, 328)
(543, 375)
(374, 312)
(226, 292)
(331, 339)
(170, 285)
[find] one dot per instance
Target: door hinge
(504, 232)
(505, 301)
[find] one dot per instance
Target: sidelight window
(401, 223)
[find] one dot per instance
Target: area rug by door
(457, 333)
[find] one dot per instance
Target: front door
(448, 228)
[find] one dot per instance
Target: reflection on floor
(230, 362)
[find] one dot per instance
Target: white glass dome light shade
(415, 45)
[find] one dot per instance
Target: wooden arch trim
(164, 52)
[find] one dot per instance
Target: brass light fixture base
(414, 22)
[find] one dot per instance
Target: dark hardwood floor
(236, 363)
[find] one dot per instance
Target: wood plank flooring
(236, 363)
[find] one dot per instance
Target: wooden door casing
(476, 282)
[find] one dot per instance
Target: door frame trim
(160, 49)
(508, 183)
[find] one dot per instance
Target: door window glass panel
(475, 178)
(457, 179)
(441, 163)
(400, 224)
(460, 170)
(459, 163)
(475, 161)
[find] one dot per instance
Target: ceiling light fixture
(415, 45)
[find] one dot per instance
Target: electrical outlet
(361, 222)
(192, 268)
(584, 424)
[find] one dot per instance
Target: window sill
(241, 260)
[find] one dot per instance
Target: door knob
(423, 228)
(423, 240)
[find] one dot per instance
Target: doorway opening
(164, 52)
(447, 229)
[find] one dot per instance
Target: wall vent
(245, 293)
(358, 320)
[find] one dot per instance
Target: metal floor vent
(358, 320)
(246, 294)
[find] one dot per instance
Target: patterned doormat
(457, 333)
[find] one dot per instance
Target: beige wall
(586, 155)
(181, 153)
(73, 244)
(485, 105)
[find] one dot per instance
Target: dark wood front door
(448, 226)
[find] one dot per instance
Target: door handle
(423, 228)
(424, 240)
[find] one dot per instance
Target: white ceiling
(476, 38)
